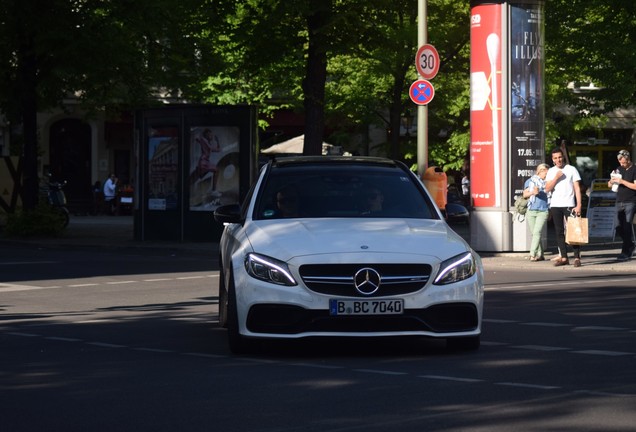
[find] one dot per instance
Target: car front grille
(289, 319)
(338, 279)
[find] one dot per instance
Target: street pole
(422, 110)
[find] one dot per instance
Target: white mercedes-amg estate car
(344, 247)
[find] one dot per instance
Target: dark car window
(341, 190)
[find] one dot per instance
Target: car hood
(289, 238)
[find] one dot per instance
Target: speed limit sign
(427, 61)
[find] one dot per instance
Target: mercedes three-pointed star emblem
(367, 281)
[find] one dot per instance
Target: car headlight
(456, 269)
(268, 269)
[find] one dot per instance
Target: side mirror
(230, 213)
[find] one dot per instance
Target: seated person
(373, 201)
(287, 202)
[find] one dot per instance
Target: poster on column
(485, 105)
(214, 167)
(163, 147)
(527, 112)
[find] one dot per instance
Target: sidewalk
(598, 256)
(116, 232)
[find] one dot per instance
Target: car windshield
(353, 190)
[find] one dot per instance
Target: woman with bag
(563, 181)
(537, 214)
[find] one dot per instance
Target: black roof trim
(296, 160)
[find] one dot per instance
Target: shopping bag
(576, 231)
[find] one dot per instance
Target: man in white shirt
(563, 181)
(110, 191)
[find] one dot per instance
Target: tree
(276, 55)
(370, 85)
(587, 42)
(118, 53)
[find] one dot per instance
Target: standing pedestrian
(110, 193)
(537, 214)
(466, 190)
(625, 203)
(563, 182)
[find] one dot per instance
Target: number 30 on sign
(427, 61)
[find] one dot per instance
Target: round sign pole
(422, 110)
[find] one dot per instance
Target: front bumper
(281, 319)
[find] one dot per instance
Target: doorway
(70, 160)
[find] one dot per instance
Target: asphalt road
(128, 340)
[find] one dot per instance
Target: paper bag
(576, 231)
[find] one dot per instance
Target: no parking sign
(422, 92)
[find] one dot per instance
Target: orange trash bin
(436, 182)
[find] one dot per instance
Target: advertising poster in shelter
(485, 105)
(214, 167)
(163, 145)
(526, 94)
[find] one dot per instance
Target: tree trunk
(27, 83)
(316, 78)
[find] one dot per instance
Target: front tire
(222, 300)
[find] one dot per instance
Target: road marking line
(533, 386)
(63, 339)
(95, 321)
(380, 372)
(4, 287)
(155, 350)
(82, 285)
(451, 378)
(499, 321)
(487, 343)
(195, 354)
(600, 393)
(106, 345)
(603, 353)
(319, 366)
(24, 334)
(546, 324)
(157, 280)
(539, 347)
(601, 328)
(121, 282)
(190, 277)
(257, 360)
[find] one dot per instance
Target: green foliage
(44, 220)
(588, 41)
(120, 54)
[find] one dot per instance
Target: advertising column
(526, 109)
(527, 114)
(485, 105)
(506, 114)
(488, 77)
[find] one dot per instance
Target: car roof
(363, 160)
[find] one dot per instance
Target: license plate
(366, 307)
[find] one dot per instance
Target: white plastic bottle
(615, 176)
